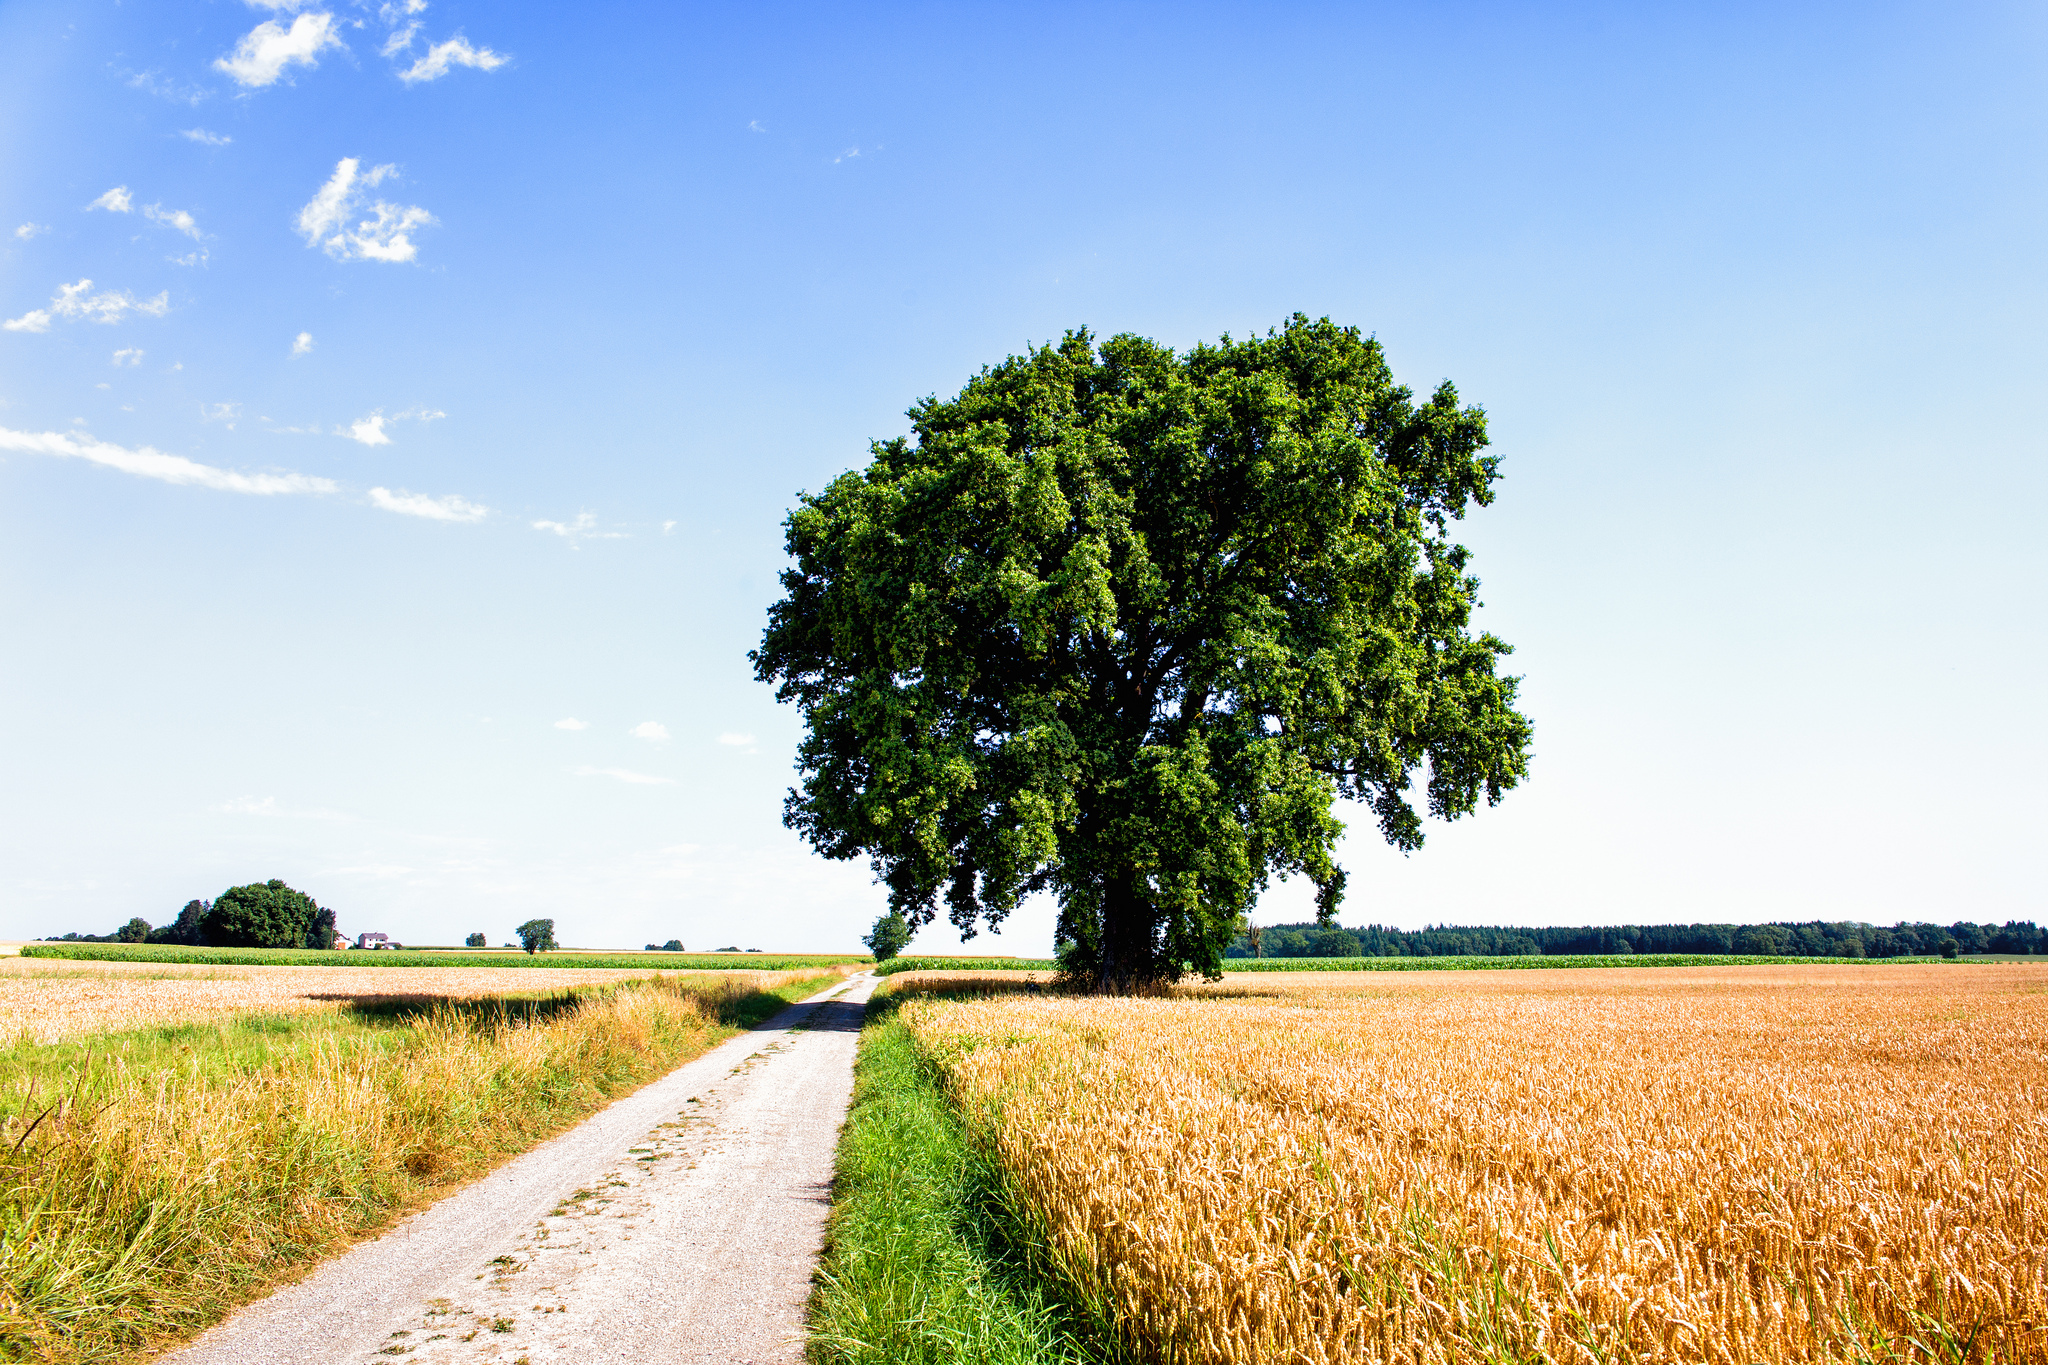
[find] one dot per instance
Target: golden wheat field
(50, 1000)
(1730, 1165)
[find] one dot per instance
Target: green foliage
(1386, 964)
(537, 936)
(674, 945)
(259, 915)
(135, 930)
(1122, 625)
(302, 957)
(927, 1257)
(187, 928)
(322, 931)
(476, 941)
(889, 937)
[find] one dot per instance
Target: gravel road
(680, 1224)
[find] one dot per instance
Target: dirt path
(678, 1225)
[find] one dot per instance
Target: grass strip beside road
(152, 1181)
(926, 1260)
(1527, 962)
(400, 957)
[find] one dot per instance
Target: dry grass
(1726, 1165)
(150, 1181)
(49, 1000)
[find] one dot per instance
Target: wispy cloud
(737, 741)
(268, 807)
(174, 218)
(128, 355)
(848, 155)
(221, 412)
(28, 231)
(382, 237)
(440, 57)
(74, 302)
(302, 344)
(754, 126)
(115, 200)
(370, 430)
(653, 731)
(583, 528)
(449, 508)
(266, 50)
(571, 723)
(626, 775)
(198, 257)
(149, 463)
(202, 136)
(667, 526)
(154, 84)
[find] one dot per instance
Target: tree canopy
(1123, 624)
(537, 936)
(260, 915)
(889, 937)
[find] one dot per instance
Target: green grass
(1404, 964)
(927, 1258)
(400, 957)
(152, 1180)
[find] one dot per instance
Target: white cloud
(174, 218)
(266, 50)
(202, 136)
(324, 219)
(737, 741)
(667, 526)
(652, 731)
(302, 343)
(849, 154)
(623, 775)
(571, 723)
(115, 200)
(754, 126)
(268, 807)
(221, 412)
(583, 528)
(149, 463)
(30, 230)
(72, 301)
(450, 508)
(128, 355)
(455, 52)
(369, 430)
(198, 257)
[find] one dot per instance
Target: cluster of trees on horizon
(1781, 938)
(259, 915)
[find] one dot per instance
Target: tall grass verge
(927, 1259)
(151, 1181)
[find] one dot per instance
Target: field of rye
(153, 1178)
(1731, 1165)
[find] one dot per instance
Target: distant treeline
(1817, 938)
(259, 915)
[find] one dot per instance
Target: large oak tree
(1123, 624)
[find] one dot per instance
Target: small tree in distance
(475, 941)
(135, 930)
(889, 937)
(537, 936)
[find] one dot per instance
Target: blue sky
(398, 407)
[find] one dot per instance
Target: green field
(1405, 964)
(386, 957)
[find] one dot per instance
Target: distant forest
(1817, 938)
